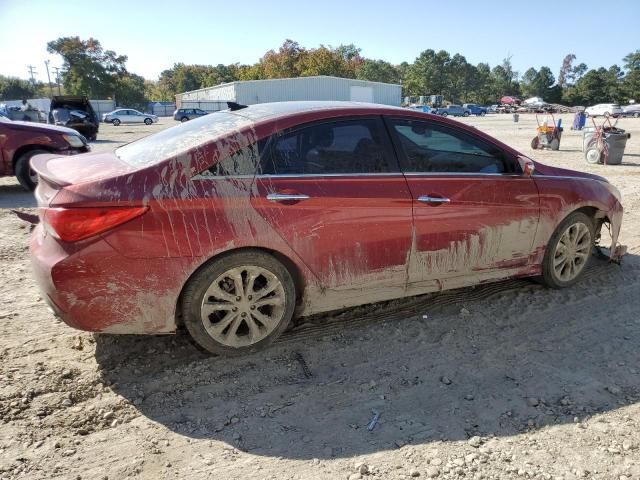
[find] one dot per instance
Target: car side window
(336, 147)
(429, 147)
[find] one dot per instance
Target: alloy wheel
(243, 306)
(572, 252)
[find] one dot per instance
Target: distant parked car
(474, 109)
(453, 110)
(631, 111)
(128, 115)
(22, 140)
(603, 109)
(184, 114)
(74, 112)
(492, 109)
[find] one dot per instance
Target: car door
(475, 214)
(333, 191)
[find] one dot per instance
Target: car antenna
(233, 106)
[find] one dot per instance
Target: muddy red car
(235, 222)
(20, 141)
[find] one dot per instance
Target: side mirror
(528, 167)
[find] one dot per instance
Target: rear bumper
(93, 288)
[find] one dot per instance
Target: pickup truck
(474, 109)
(453, 110)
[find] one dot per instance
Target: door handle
(433, 200)
(284, 197)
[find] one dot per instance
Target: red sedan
(234, 222)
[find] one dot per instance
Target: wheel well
(26, 149)
(293, 269)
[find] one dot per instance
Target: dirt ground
(509, 380)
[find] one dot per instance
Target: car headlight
(74, 140)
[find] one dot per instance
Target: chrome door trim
(283, 197)
(428, 199)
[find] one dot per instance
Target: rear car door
(474, 212)
(334, 192)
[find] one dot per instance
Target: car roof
(263, 111)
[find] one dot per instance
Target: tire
(93, 138)
(465, 114)
(559, 274)
(184, 119)
(27, 177)
(535, 143)
(606, 114)
(636, 115)
(482, 114)
(213, 331)
(115, 122)
(555, 144)
(444, 114)
(593, 155)
(148, 121)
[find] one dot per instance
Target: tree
(322, 61)
(129, 90)
(13, 88)
(631, 83)
(284, 62)
(566, 69)
(377, 71)
(88, 69)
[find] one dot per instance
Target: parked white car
(603, 109)
(128, 115)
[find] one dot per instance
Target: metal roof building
(287, 89)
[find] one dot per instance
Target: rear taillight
(73, 224)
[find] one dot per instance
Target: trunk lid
(69, 170)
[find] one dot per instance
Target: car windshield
(179, 139)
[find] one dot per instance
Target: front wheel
(115, 122)
(24, 173)
(239, 303)
(568, 251)
(184, 119)
(465, 114)
(482, 114)
(445, 114)
(148, 121)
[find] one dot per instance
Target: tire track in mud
(599, 278)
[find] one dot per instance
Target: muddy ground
(509, 380)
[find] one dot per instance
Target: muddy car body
(20, 141)
(233, 222)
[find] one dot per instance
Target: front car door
(475, 214)
(333, 191)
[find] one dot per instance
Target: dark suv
(184, 114)
(75, 112)
(19, 141)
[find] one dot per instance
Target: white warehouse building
(287, 89)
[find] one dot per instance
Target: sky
(155, 34)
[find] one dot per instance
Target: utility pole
(32, 70)
(57, 70)
(46, 64)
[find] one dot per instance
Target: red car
(234, 222)
(20, 141)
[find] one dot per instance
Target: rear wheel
(444, 114)
(148, 121)
(568, 251)
(465, 114)
(115, 122)
(184, 119)
(239, 303)
(24, 173)
(482, 114)
(555, 144)
(636, 115)
(535, 143)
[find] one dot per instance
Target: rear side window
(243, 162)
(178, 140)
(429, 147)
(337, 147)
